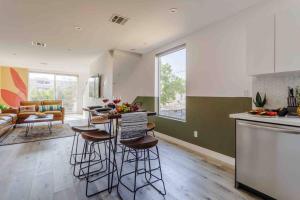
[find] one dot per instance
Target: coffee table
(35, 119)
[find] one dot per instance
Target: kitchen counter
(290, 121)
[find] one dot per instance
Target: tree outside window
(172, 84)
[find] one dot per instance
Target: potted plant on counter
(259, 102)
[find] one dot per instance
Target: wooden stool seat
(143, 143)
(97, 136)
(99, 120)
(150, 126)
(84, 129)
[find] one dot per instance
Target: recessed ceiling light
(44, 63)
(69, 49)
(39, 44)
(173, 10)
(78, 28)
(14, 54)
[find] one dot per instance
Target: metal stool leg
(75, 133)
(146, 158)
(136, 172)
(154, 176)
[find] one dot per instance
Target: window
(172, 83)
(44, 86)
(66, 90)
(41, 86)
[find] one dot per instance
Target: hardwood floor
(40, 170)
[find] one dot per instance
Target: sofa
(58, 115)
(12, 116)
(7, 121)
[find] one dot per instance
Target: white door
(288, 40)
(260, 45)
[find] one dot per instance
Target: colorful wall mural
(13, 85)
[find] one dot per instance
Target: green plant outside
(170, 84)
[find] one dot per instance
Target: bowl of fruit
(126, 108)
(264, 112)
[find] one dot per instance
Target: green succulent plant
(3, 107)
(259, 102)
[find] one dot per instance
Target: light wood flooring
(40, 170)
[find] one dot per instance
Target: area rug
(37, 133)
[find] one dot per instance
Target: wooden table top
(113, 115)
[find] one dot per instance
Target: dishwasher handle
(271, 128)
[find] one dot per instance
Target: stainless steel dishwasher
(268, 158)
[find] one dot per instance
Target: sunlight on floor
(72, 117)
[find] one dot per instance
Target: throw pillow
(44, 108)
(27, 108)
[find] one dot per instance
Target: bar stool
(100, 120)
(134, 138)
(93, 139)
(77, 131)
(150, 128)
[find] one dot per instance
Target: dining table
(114, 118)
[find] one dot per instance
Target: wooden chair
(134, 137)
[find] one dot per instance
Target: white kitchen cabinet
(261, 46)
(287, 41)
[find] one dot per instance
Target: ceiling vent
(39, 44)
(118, 19)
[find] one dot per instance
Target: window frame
(55, 74)
(157, 60)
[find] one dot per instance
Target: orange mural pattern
(13, 85)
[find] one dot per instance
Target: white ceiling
(52, 21)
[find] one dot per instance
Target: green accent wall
(209, 116)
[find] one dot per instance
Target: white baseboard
(223, 159)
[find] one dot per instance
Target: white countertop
(291, 121)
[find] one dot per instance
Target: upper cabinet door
(260, 46)
(288, 40)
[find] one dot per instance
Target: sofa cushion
(30, 103)
(44, 108)
(8, 114)
(30, 108)
(11, 115)
(5, 118)
(52, 102)
(25, 114)
(55, 113)
(4, 122)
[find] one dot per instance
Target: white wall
(125, 80)
(216, 60)
(103, 65)
(118, 69)
(216, 57)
